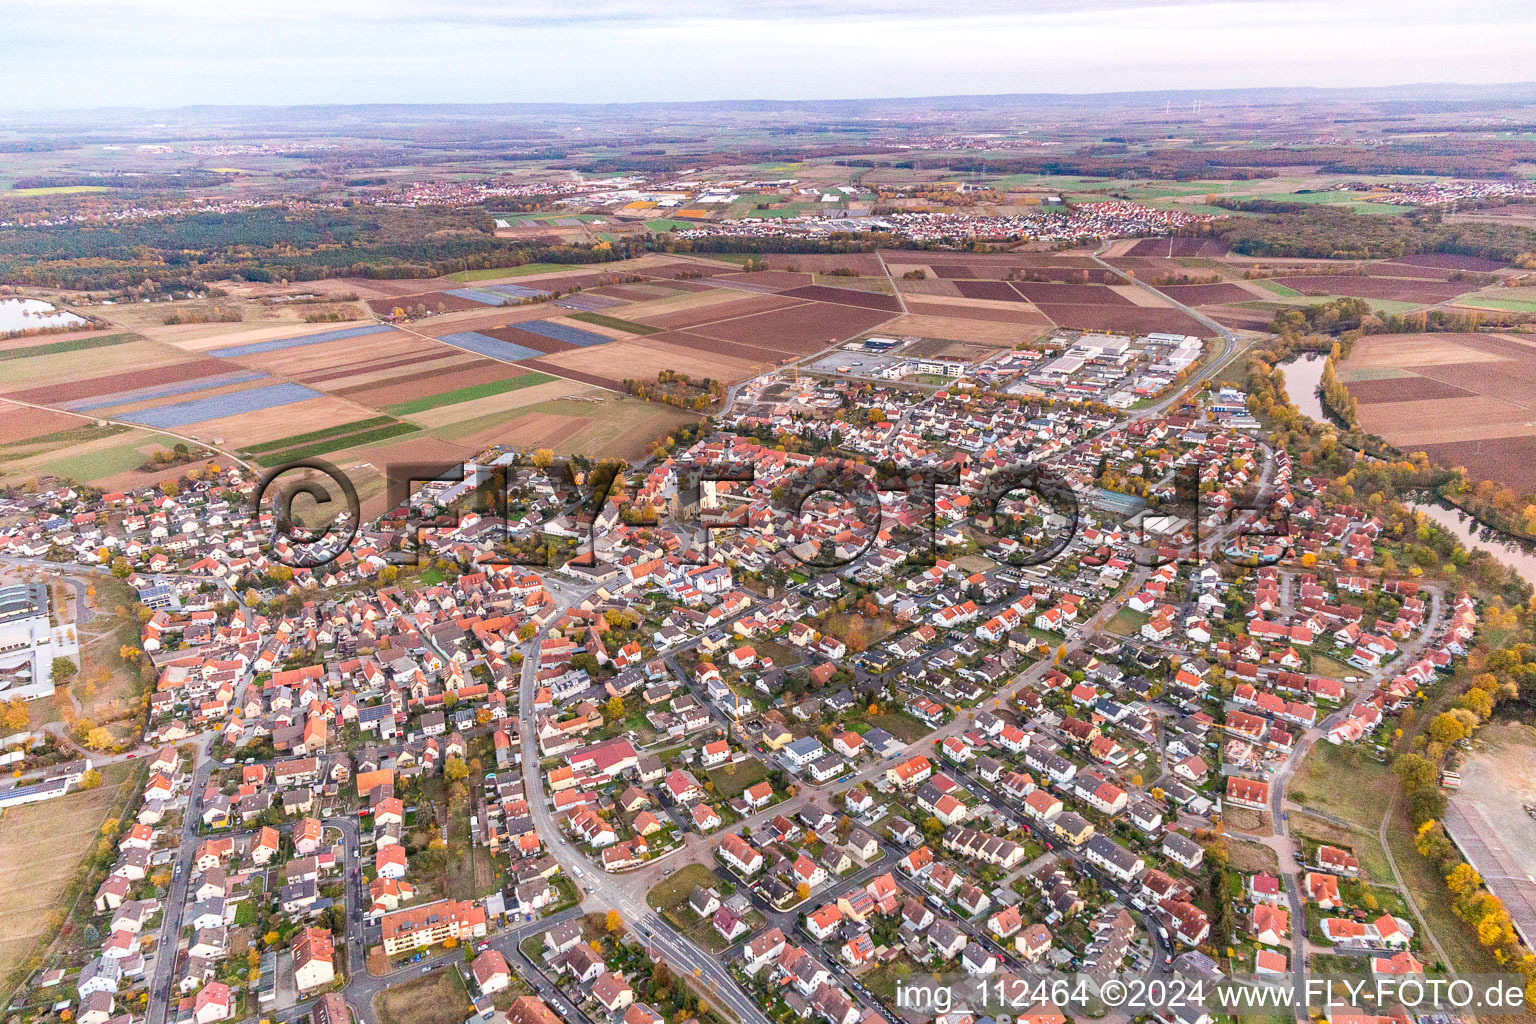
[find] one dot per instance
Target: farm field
(34, 885)
(1463, 399)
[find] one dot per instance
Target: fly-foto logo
(827, 514)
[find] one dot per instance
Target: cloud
(93, 53)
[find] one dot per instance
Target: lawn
(469, 394)
(1322, 665)
(437, 998)
(732, 779)
(35, 884)
(1127, 622)
(899, 724)
(1364, 845)
(1317, 784)
(671, 894)
(495, 273)
(670, 899)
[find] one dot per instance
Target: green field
(59, 190)
(336, 444)
(670, 225)
(617, 324)
(74, 345)
(102, 462)
(469, 394)
(1509, 305)
(1279, 289)
(316, 435)
(493, 273)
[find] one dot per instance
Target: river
(1302, 376)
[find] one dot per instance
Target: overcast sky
(92, 53)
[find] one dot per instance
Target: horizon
(169, 54)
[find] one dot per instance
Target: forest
(270, 243)
(1323, 232)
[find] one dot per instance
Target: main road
(602, 891)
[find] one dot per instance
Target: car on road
(667, 872)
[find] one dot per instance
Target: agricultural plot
(433, 381)
(1399, 289)
(728, 306)
(1173, 247)
(178, 414)
(989, 333)
(469, 394)
(799, 330)
(1463, 399)
(278, 344)
(33, 885)
(60, 367)
(449, 301)
(485, 345)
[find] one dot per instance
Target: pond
(30, 314)
(1473, 535)
(1302, 377)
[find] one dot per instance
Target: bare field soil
(1403, 389)
(996, 291)
(90, 387)
(1400, 289)
(969, 351)
(67, 367)
(1484, 415)
(731, 306)
(1022, 314)
(207, 336)
(1377, 351)
(1487, 816)
(1441, 420)
(431, 300)
(777, 279)
(983, 332)
(21, 424)
(926, 286)
(642, 358)
(1178, 247)
(1206, 294)
(270, 424)
(799, 330)
(847, 297)
(716, 348)
(1124, 318)
(1510, 460)
(352, 378)
(1090, 294)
